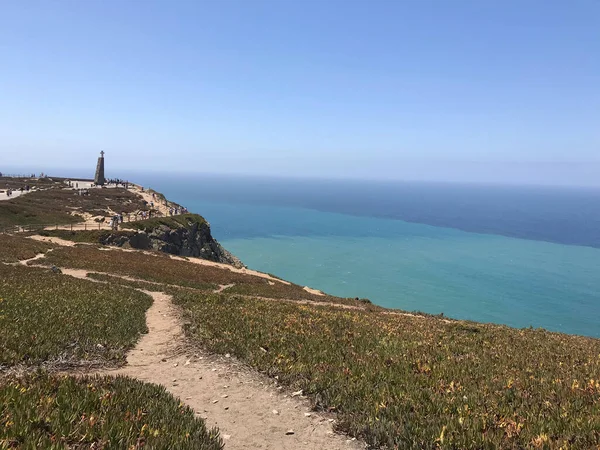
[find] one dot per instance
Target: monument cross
(99, 178)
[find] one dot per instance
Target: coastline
(269, 362)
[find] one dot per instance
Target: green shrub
(42, 411)
(173, 222)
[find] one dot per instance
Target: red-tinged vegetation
(18, 248)
(415, 382)
(159, 267)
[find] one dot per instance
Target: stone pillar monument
(99, 178)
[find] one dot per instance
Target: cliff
(183, 235)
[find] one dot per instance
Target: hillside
(157, 311)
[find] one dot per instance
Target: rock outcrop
(185, 235)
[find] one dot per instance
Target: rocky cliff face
(186, 235)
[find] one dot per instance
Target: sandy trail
(82, 273)
(192, 260)
(250, 411)
(224, 392)
(313, 291)
(52, 240)
(206, 262)
(35, 258)
(222, 287)
(158, 204)
(15, 194)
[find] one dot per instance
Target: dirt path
(249, 410)
(206, 262)
(52, 240)
(24, 262)
(192, 260)
(15, 193)
(222, 287)
(313, 291)
(147, 196)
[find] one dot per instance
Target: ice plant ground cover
(56, 205)
(159, 267)
(15, 248)
(45, 411)
(52, 318)
(394, 379)
(414, 382)
(136, 284)
(53, 321)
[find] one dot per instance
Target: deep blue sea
(519, 256)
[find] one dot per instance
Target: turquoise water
(418, 266)
(411, 266)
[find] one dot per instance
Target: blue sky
(450, 90)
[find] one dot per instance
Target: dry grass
(415, 382)
(17, 248)
(53, 206)
(160, 268)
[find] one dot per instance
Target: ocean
(520, 256)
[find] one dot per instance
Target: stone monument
(99, 178)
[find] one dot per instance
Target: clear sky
(469, 90)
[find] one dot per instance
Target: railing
(80, 226)
(69, 227)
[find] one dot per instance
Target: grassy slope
(40, 183)
(53, 206)
(16, 248)
(49, 317)
(413, 381)
(395, 380)
(161, 268)
(136, 284)
(53, 318)
(41, 411)
(398, 381)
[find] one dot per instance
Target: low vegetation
(33, 182)
(42, 411)
(85, 236)
(415, 382)
(150, 266)
(47, 317)
(291, 291)
(394, 379)
(136, 284)
(159, 267)
(182, 220)
(64, 206)
(18, 248)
